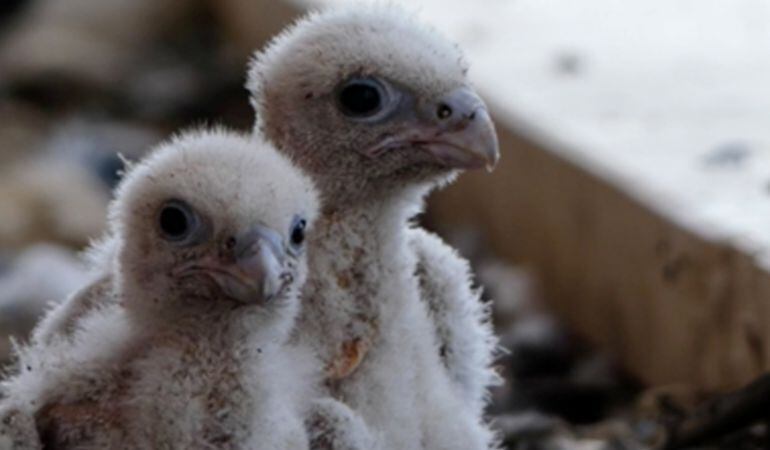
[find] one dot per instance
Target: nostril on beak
(230, 243)
(472, 115)
(444, 111)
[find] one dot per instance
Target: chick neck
(357, 253)
(214, 319)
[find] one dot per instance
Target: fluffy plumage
(207, 261)
(376, 107)
(23, 298)
(467, 343)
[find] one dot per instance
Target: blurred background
(622, 239)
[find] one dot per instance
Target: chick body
(182, 353)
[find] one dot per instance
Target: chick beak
(464, 136)
(456, 131)
(255, 271)
(257, 274)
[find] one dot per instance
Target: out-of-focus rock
(616, 434)
(172, 86)
(82, 40)
(545, 367)
(59, 192)
(552, 372)
(250, 23)
(99, 144)
(197, 79)
(22, 130)
(10, 8)
(529, 430)
(670, 402)
(50, 199)
(512, 289)
(42, 274)
(534, 431)
(538, 348)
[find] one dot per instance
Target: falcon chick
(377, 108)
(208, 236)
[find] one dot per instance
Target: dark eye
(361, 97)
(297, 232)
(176, 221)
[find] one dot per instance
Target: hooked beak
(256, 273)
(459, 135)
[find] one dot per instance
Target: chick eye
(362, 97)
(297, 232)
(176, 221)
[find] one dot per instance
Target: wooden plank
(673, 306)
(634, 175)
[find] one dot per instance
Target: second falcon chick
(377, 108)
(209, 236)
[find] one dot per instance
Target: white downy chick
(209, 235)
(22, 295)
(376, 107)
